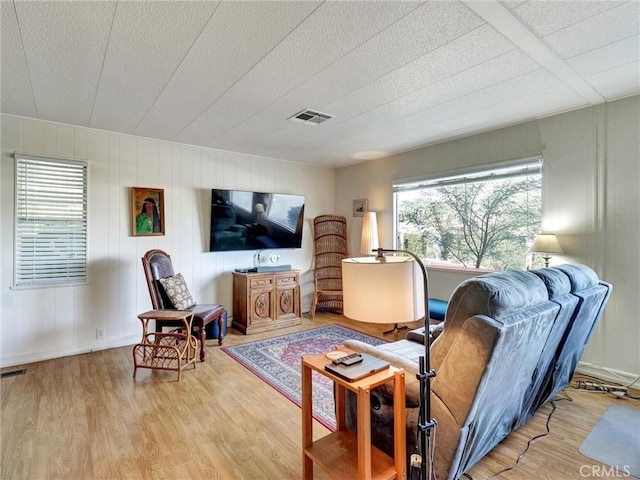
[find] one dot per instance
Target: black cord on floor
(531, 440)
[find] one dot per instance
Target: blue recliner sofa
(510, 341)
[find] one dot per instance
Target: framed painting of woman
(147, 211)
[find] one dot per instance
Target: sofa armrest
(417, 335)
(390, 352)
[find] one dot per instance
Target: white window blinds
(50, 221)
(483, 173)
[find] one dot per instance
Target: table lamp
(546, 244)
(386, 289)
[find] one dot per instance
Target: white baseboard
(14, 360)
(608, 374)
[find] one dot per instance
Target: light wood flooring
(85, 417)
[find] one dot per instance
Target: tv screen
(243, 220)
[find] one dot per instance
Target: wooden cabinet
(266, 300)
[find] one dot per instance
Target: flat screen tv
(243, 220)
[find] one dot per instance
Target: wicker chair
(330, 245)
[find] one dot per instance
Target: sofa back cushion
(498, 295)
(559, 290)
(591, 295)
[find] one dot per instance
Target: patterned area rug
(277, 361)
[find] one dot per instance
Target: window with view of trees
(484, 219)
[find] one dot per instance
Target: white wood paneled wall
(591, 199)
(41, 323)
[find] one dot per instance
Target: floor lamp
(383, 288)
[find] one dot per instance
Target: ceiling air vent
(310, 117)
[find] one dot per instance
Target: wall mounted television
(244, 220)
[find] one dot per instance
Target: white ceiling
(396, 75)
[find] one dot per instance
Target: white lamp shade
(387, 291)
(546, 243)
(369, 240)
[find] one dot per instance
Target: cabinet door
(261, 300)
(287, 297)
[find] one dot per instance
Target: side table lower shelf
(339, 451)
(165, 351)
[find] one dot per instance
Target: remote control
(348, 360)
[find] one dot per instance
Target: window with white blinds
(50, 221)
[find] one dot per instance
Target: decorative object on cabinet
(147, 211)
(265, 300)
(330, 248)
(360, 206)
(157, 265)
(381, 289)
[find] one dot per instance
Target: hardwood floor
(85, 417)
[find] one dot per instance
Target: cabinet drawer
(261, 282)
(285, 281)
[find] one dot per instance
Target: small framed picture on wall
(147, 211)
(359, 207)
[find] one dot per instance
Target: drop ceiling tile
(474, 48)
(464, 53)
(423, 120)
(142, 56)
(507, 91)
(17, 96)
(426, 29)
(65, 62)
(332, 31)
(477, 119)
(513, 64)
(597, 31)
(617, 82)
(508, 112)
(545, 17)
(225, 51)
(607, 57)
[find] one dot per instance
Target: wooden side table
(344, 453)
(165, 351)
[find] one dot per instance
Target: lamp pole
(425, 422)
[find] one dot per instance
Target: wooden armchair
(157, 264)
(330, 247)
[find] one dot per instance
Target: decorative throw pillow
(177, 291)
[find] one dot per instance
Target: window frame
(75, 268)
(511, 168)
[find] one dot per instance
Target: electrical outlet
(99, 333)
